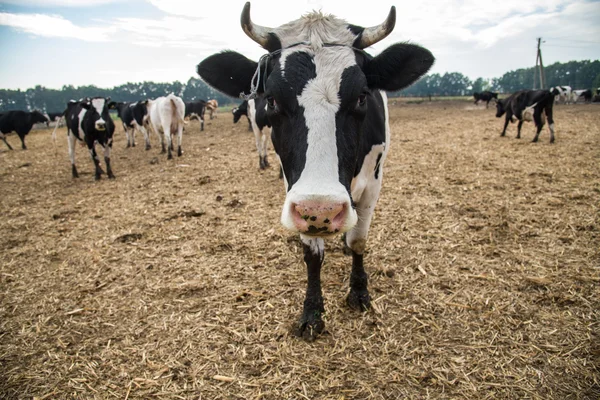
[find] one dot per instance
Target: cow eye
(362, 100)
(271, 102)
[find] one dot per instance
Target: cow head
(97, 115)
(500, 108)
(319, 85)
(38, 117)
(239, 111)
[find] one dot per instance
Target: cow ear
(112, 105)
(398, 66)
(228, 72)
(86, 105)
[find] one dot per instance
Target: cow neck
(255, 82)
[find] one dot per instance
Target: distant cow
(133, 116)
(211, 106)
(89, 121)
(486, 96)
(196, 110)
(562, 94)
(237, 112)
(528, 105)
(166, 118)
(255, 110)
(20, 122)
(585, 94)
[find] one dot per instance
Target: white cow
(166, 117)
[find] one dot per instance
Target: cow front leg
(265, 142)
(71, 140)
(356, 239)
(506, 120)
(539, 124)
(311, 323)
(94, 155)
(519, 129)
(107, 151)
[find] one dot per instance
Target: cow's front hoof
(170, 156)
(74, 172)
(111, 175)
(534, 140)
(359, 301)
(310, 326)
(148, 147)
(97, 177)
(133, 144)
(551, 140)
(128, 145)
(179, 152)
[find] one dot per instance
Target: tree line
(577, 74)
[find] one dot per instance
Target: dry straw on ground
(176, 281)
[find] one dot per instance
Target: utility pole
(541, 65)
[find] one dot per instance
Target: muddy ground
(176, 280)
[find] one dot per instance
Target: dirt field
(176, 280)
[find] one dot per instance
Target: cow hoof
(179, 152)
(97, 177)
(148, 147)
(359, 301)
(128, 146)
(111, 175)
(534, 141)
(133, 145)
(309, 327)
(170, 156)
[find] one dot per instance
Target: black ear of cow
(112, 105)
(398, 66)
(86, 105)
(228, 72)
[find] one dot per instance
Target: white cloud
(59, 3)
(55, 26)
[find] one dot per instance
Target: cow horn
(260, 34)
(374, 34)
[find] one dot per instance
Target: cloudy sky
(110, 42)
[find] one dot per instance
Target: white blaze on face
(98, 104)
(319, 181)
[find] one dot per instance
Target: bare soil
(176, 280)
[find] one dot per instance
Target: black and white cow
(20, 122)
(327, 106)
(89, 121)
(486, 96)
(585, 94)
(196, 110)
(256, 111)
(133, 116)
(240, 110)
(528, 105)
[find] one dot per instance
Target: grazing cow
(486, 96)
(585, 94)
(166, 116)
(528, 105)
(212, 106)
(327, 106)
(133, 116)
(20, 122)
(196, 110)
(255, 110)
(242, 109)
(89, 121)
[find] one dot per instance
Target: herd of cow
(325, 100)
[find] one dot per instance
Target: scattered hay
(176, 280)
